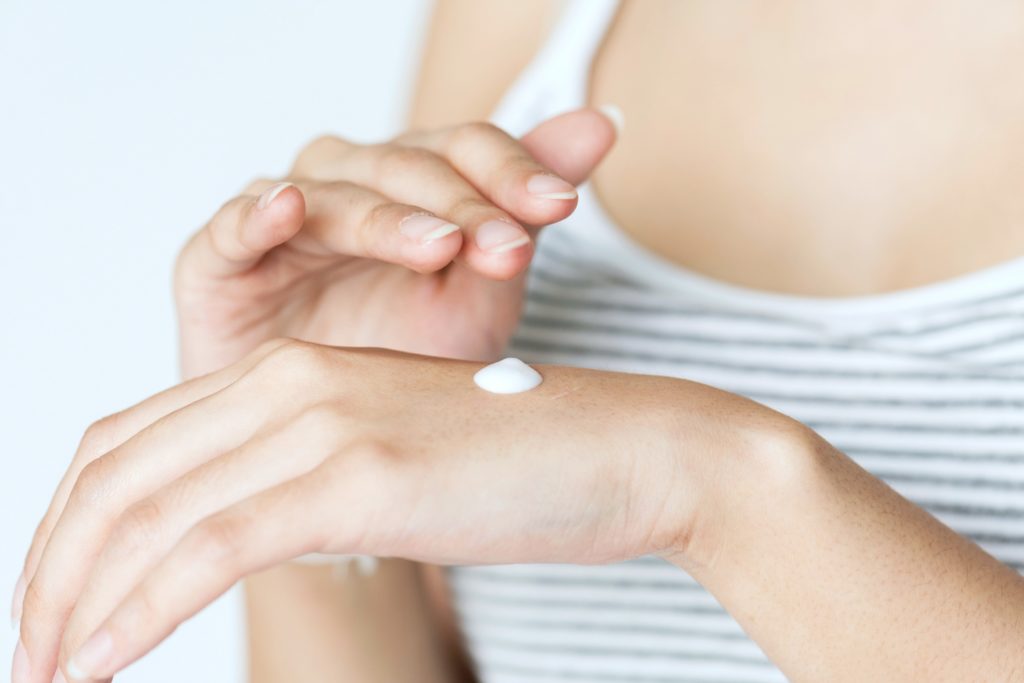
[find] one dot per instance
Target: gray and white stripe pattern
(929, 397)
(924, 388)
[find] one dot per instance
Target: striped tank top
(922, 387)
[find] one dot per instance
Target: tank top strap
(557, 78)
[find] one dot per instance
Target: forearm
(837, 577)
(305, 624)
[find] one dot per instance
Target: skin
(843, 221)
(327, 257)
(361, 460)
(830, 145)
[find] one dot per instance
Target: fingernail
(268, 195)
(426, 228)
(21, 670)
(18, 600)
(498, 236)
(93, 657)
(614, 114)
(59, 677)
(550, 187)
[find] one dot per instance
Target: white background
(123, 126)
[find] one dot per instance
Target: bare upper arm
(474, 51)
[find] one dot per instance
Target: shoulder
(473, 52)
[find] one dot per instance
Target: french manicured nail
(18, 600)
(59, 677)
(550, 187)
(93, 658)
(426, 228)
(498, 236)
(614, 114)
(21, 670)
(270, 194)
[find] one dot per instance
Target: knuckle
(36, 607)
(368, 460)
(94, 486)
(146, 607)
(377, 223)
(323, 143)
(318, 149)
(345, 192)
(137, 527)
(513, 163)
(322, 416)
(379, 214)
(295, 358)
(413, 137)
(388, 161)
(322, 424)
(217, 540)
(397, 157)
(99, 437)
(472, 133)
(470, 205)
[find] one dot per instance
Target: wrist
(747, 465)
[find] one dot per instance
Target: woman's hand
(417, 244)
(303, 448)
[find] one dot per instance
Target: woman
(814, 206)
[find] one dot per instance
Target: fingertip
(545, 199)
(275, 217)
(572, 144)
(549, 186)
(433, 254)
(498, 261)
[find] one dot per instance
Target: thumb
(572, 144)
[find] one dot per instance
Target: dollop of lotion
(507, 376)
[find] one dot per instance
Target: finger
(502, 170)
(161, 452)
(346, 219)
(147, 530)
(533, 178)
(574, 143)
(112, 431)
(271, 527)
(244, 230)
(352, 220)
(497, 246)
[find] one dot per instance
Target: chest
(818, 150)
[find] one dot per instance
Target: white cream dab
(507, 376)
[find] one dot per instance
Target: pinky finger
(274, 526)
